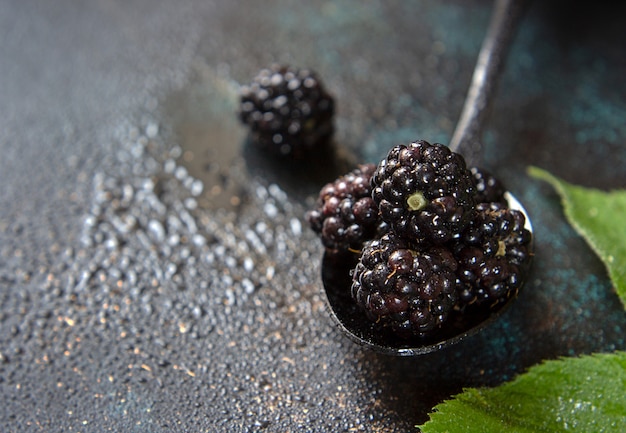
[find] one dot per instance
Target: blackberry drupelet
(424, 191)
(411, 291)
(288, 110)
(488, 188)
(345, 215)
(493, 255)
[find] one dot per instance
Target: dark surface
(156, 273)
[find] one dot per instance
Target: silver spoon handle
(467, 135)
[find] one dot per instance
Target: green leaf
(586, 394)
(600, 218)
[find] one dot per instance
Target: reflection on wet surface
(216, 150)
(203, 116)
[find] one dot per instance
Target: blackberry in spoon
(457, 245)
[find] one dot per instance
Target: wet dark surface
(156, 274)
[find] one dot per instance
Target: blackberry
(345, 215)
(288, 110)
(424, 191)
(493, 255)
(488, 188)
(409, 290)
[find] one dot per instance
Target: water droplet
(152, 130)
(296, 226)
(156, 229)
(248, 264)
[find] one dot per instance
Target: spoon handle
(504, 21)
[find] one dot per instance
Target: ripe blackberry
(345, 214)
(493, 255)
(424, 191)
(287, 109)
(488, 189)
(411, 291)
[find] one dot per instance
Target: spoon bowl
(466, 141)
(352, 321)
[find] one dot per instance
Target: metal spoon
(466, 140)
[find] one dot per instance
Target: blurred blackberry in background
(493, 255)
(287, 110)
(412, 291)
(345, 215)
(424, 191)
(488, 189)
